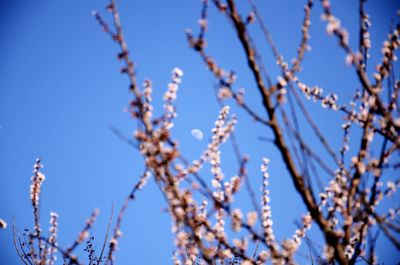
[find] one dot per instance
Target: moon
(196, 133)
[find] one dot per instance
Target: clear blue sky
(60, 89)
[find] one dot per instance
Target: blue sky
(60, 90)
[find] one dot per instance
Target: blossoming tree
(344, 204)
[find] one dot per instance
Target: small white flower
(177, 72)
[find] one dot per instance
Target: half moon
(196, 133)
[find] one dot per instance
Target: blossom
(3, 224)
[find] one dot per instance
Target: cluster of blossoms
(147, 106)
(290, 246)
(289, 73)
(53, 231)
(333, 24)
(85, 231)
(237, 219)
(37, 181)
(220, 224)
(221, 132)
(152, 140)
(336, 194)
(366, 38)
(329, 101)
(35, 188)
(314, 93)
(266, 208)
(170, 97)
(389, 56)
(231, 187)
(300, 233)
